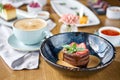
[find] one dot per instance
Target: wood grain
(47, 72)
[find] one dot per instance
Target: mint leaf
(70, 49)
(66, 46)
(74, 46)
(80, 49)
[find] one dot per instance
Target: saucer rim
(23, 49)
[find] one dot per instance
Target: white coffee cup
(105, 32)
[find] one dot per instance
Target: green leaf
(66, 46)
(80, 49)
(71, 49)
(1, 7)
(74, 46)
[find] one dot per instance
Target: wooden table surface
(47, 72)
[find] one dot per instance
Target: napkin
(15, 59)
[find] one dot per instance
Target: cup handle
(47, 34)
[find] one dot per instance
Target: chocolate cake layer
(76, 59)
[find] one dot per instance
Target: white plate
(76, 7)
(16, 44)
(45, 14)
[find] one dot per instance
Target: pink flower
(69, 19)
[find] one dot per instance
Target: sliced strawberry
(8, 6)
(82, 52)
(81, 45)
(34, 5)
(37, 5)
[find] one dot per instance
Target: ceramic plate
(73, 6)
(16, 44)
(98, 47)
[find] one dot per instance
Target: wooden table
(46, 72)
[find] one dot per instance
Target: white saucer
(118, 45)
(16, 44)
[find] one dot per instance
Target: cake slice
(76, 54)
(7, 12)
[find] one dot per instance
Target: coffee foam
(30, 24)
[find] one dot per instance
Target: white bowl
(33, 10)
(115, 40)
(43, 14)
(113, 12)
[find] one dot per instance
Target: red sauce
(110, 32)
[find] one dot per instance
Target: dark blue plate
(97, 46)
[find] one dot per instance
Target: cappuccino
(30, 30)
(30, 24)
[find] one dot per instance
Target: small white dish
(110, 33)
(43, 14)
(16, 44)
(113, 12)
(40, 14)
(33, 10)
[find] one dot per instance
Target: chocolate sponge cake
(76, 54)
